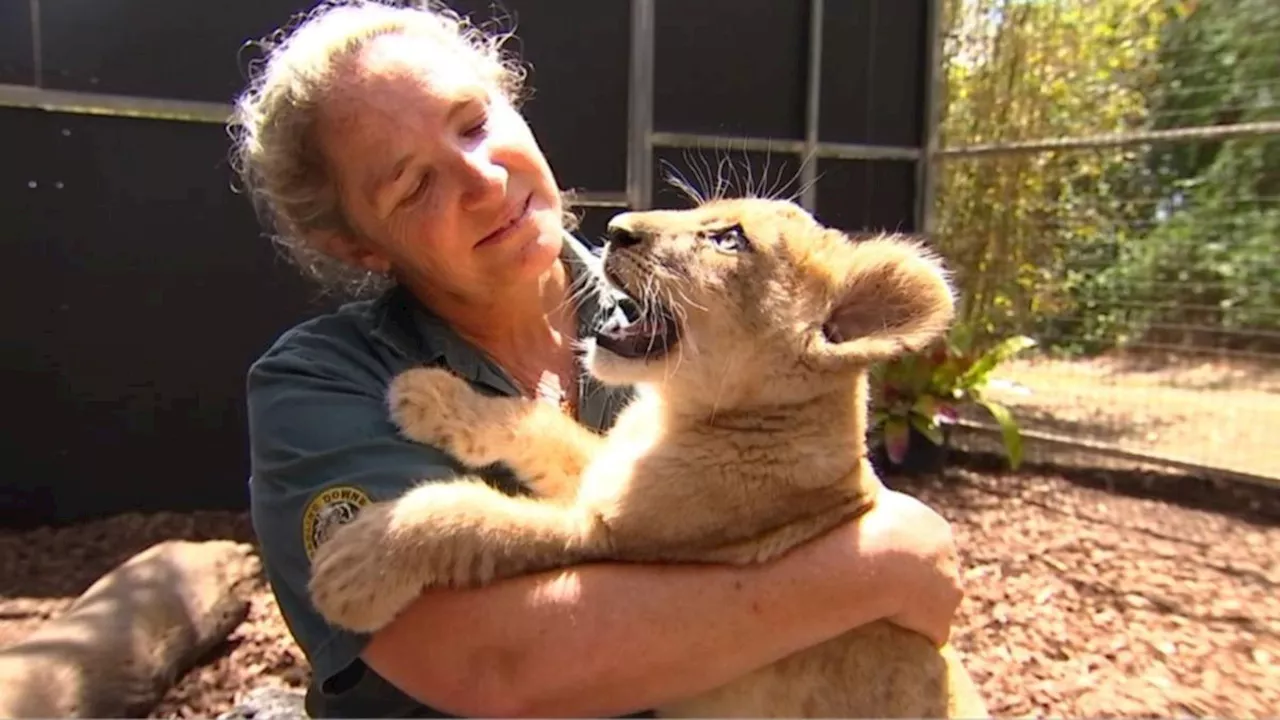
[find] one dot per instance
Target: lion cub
(746, 439)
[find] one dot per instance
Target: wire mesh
(1107, 181)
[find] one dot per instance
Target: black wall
(139, 287)
(872, 93)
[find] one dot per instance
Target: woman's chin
(542, 248)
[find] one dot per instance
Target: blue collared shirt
(321, 444)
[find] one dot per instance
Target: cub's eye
(731, 239)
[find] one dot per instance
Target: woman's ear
(356, 253)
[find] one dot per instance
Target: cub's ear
(891, 295)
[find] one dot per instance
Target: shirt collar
(421, 335)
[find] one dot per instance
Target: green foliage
(1168, 242)
(928, 389)
(1218, 64)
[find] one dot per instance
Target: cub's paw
(422, 399)
(355, 583)
(435, 407)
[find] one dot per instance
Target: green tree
(1171, 242)
(1208, 268)
(1021, 228)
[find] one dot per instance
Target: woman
(383, 144)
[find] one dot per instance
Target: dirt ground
(1088, 594)
(1214, 411)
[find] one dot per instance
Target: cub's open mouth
(645, 331)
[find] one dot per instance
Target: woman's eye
(418, 189)
(731, 240)
(477, 129)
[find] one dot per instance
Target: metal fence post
(935, 87)
(640, 107)
(813, 105)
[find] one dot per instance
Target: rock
(268, 703)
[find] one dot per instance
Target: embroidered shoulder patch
(328, 509)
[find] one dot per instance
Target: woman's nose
(483, 180)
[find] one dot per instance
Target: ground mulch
(1087, 593)
(1116, 594)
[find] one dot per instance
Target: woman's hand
(917, 555)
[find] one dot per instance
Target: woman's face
(438, 174)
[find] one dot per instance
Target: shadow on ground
(1251, 503)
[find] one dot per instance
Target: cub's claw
(424, 398)
(460, 533)
(352, 584)
(435, 407)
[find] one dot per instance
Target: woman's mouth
(514, 220)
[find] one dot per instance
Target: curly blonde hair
(274, 146)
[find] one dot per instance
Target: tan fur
(746, 440)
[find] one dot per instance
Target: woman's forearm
(607, 640)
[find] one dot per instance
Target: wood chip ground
(1087, 594)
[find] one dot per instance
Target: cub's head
(752, 302)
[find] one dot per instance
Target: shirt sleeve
(321, 447)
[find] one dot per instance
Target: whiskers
(720, 387)
(662, 292)
(680, 313)
(583, 286)
(726, 175)
(649, 300)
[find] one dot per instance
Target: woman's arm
(598, 640)
(611, 639)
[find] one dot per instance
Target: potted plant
(917, 397)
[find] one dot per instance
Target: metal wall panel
(37, 414)
(731, 67)
(873, 72)
(184, 49)
(133, 252)
(17, 55)
(578, 109)
(578, 71)
(143, 291)
(866, 195)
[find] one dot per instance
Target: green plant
(926, 390)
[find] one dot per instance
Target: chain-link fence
(1107, 181)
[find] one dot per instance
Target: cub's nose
(621, 237)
